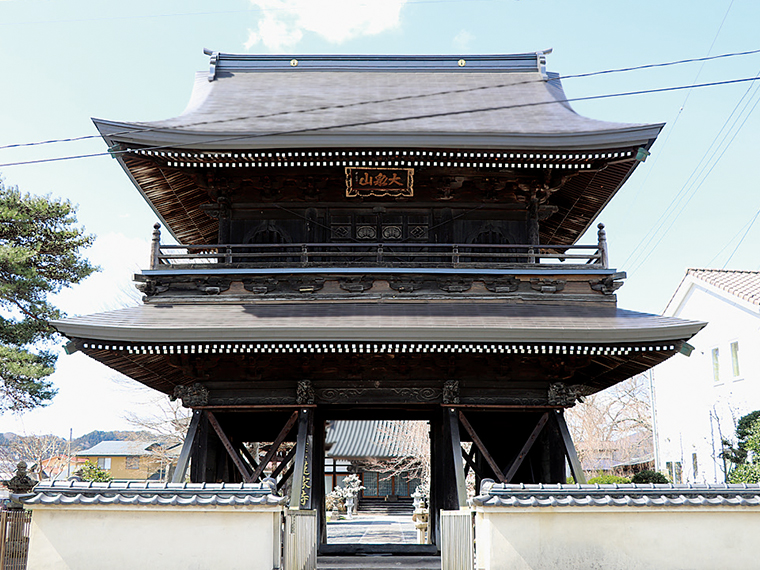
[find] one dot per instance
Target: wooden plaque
(391, 182)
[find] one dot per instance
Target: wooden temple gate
(348, 258)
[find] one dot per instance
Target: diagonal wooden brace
(526, 448)
(275, 445)
(570, 453)
(184, 456)
(234, 455)
(482, 448)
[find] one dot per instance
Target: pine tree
(40, 253)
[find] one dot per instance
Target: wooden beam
(526, 448)
(571, 454)
(300, 492)
(482, 448)
(468, 458)
(275, 444)
(184, 455)
(458, 461)
(247, 455)
(284, 462)
(234, 455)
(288, 474)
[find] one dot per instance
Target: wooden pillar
(206, 448)
(303, 476)
(318, 487)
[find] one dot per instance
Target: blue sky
(64, 62)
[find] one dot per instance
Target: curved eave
(143, 134)
(400, 322)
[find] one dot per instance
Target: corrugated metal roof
(619, 495)
(154, 494)
(378, 439)
(742, 284)
(115, 448)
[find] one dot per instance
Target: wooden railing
(356, 254)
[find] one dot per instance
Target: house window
(133, 462)
(695, 465)
(675, 471)
(104, 463)
(716, 364)
(735, 358)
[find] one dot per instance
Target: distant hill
(9, 441)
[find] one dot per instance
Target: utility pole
(68, 456)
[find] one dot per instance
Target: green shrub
(649, 476)
(609, 479)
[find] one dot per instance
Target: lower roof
(383, 322)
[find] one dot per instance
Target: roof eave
(146, 135)
(669, 333)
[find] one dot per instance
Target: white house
(699, 398)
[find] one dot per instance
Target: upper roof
(116, 448)
(277, 101)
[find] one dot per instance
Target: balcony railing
(370, 255)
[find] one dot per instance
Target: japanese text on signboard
(393, 182)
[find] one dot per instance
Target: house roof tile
(740, 283)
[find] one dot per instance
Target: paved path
(373, 529)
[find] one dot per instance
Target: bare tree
(168, 426)
(36, 450)
(408, 445)
(614, 426)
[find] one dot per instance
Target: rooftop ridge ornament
(237, 62)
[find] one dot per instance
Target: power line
(672, 128)
(745, 228)
(698, 171)
(400, 98)
(394, 120)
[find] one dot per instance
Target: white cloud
(283, 22)
(463, 40)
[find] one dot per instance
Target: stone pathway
(372, 529)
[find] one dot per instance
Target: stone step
(379, 562)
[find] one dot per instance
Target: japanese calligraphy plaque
(391, 182)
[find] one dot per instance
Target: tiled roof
(159, 494)
(117, 448)
(619, 495)
(372, 438)
(742, 284)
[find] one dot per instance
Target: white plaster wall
(98, 537)
(693, 412)
(619, 538)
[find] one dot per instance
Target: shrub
(609, 479)
(649, 476)
(91, 472)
